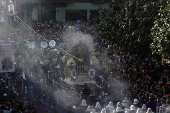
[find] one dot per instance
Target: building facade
(61, 10)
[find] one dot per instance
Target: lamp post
(39, 10)
(74, 79)
(6, 20)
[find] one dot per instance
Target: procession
(52, 66)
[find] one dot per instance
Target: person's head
(127, 96)
(139, 95)
(158, 100)
(151, 98)
(162, 101)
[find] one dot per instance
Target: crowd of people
(36, 85)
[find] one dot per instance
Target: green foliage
(128, 23)
(161, 33)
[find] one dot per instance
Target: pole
(39, 10)
(6, 21)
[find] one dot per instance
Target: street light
(74, 79)
(6, 20)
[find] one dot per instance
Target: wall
(85, 6)
(60, 16)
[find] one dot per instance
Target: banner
(1, 19)
(7, 57)
(34, 14)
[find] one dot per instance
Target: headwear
(110, 104)
(106, 94)
(103, 110)
(89, 108)
(149, 110)
(124, 103)
(4, 94)
(144, 106)
(83, 103)
(109, 109)
(139, 110)
(118, 109)
(126, 111)
(119, 105)
(135, 101)
(132, 107)
(98, 105)
(114, 111)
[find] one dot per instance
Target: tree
(128, 23)
(161, 33)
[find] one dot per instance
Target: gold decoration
(71, 62)
(94, 61)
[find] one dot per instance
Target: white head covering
(118, 109)
(89, 108)
(139, 110)
(110, 104)
(149, 110)
(144, 106)
(132, 107)
(126, 111)
(98, 105)
(103, 110)
(135, 101)
(114, 111)
(119, 105)
(109, 109)
(83, 103)
(124, 103)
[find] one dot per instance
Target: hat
(4, 94)
(110, 104)
(98, 105)
(119, 105)
(135, 101)
(89, 108)
(139, 110)
(118, 109)
(103, 110)
(126, 111)
(132, 107)
(114, 111)
(124, 103)
(144, 106)
(83, 103)
(106, 94)
(109, 109)
(149, 110)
